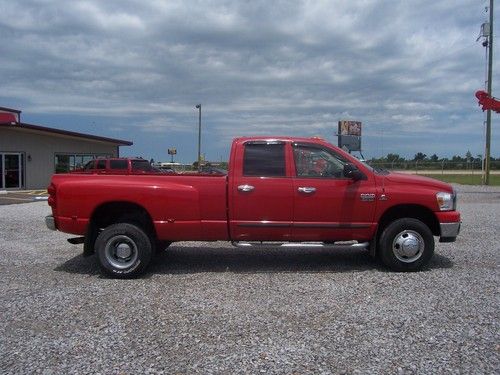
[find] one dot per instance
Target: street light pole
(198, 107)
(488, 113)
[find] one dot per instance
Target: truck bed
(183, 207)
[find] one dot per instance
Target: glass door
(11, 169)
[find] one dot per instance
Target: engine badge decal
(367, 197)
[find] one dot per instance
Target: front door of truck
(327, 205)
(260, 196)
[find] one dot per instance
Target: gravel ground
(213, 309)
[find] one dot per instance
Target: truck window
(118, 164)
(264, 159)
(101, 164)
(141, 165)
(313, 161)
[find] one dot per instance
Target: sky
(134, 70)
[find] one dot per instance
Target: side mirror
(351, 171)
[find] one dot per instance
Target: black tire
(406, 245)
(124, 250)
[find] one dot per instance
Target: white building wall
(42, 147)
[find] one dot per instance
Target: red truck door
(261, 199)
(327, 205)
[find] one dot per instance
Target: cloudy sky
(135, 70)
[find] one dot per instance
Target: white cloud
(163, 126)
(257, 67)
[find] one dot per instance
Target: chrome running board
(334, 245)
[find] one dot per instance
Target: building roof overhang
(60, 132)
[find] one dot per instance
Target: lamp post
(198, 107)
(487, 165)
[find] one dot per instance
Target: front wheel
(406, 245)
(124, 250)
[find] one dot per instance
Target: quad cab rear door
(260, 192)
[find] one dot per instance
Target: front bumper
(50, 222)
(449, 231)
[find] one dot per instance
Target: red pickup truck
(118, 166)
(279, 191)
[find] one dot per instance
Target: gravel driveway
(213, 309)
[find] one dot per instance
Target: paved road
(24, 196)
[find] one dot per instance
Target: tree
(434, 158)
(393, 157)
(419, 156)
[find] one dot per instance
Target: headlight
(446, 201)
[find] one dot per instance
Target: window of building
(264, 159)
(89, 166)
(65, 163)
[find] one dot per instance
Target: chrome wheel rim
(408, 246)
(121, 252)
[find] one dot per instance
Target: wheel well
(115, 212)
(118, 212)
(412, 211)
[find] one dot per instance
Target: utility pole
(488, 112)
(198, 107)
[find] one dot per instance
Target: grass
(464, 179)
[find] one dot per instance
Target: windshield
(142, 165)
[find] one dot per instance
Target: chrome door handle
(245, 188)
(306, 189)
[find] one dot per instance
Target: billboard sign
(349, 135)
